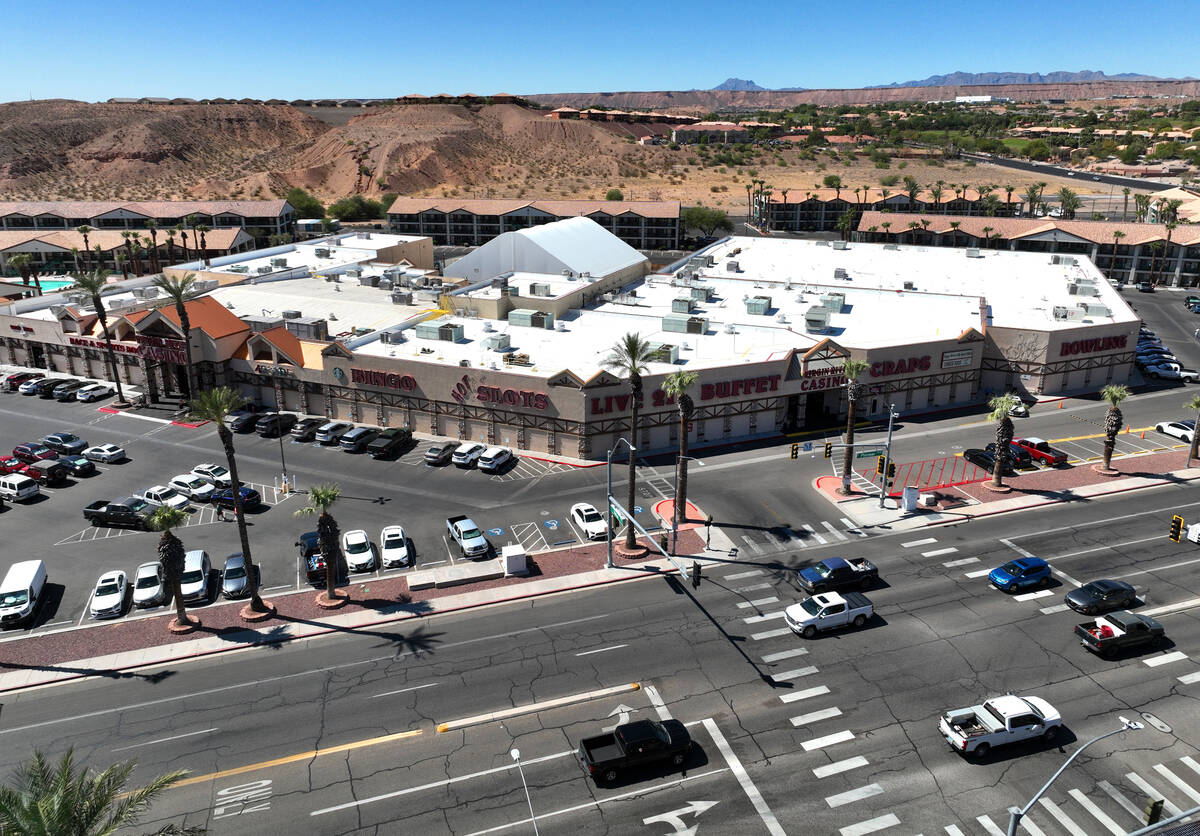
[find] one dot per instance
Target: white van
(21, 591)
(17, 488)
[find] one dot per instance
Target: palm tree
(1008, 192)
(84, 230)
(203, 244)
(987, 231)
(954, 225)
(170, 555)
(631, 356)
(1001, 406)
(191, 220)
(853, 369)
(20, 262)
(1171, 226)
(887, 230)
(1125, 205)
(75, 257)
(676, 386)
(1114, 393)
(936, 192)
(913, 226)
(179, 230)
(64, 798)
(1117, 236)
(180, 290)
(92, 283)
(1194, 406)
(320, 500)
(1156, 247)
(214, 406)
(170, 246)
(155, 264)
(845, 224)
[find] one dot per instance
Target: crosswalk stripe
(816, 716)
(989, 826)
(770, 634)
(852, 528)
(750, 544)
(1166, 658)
(1179, 784)
(834, 531)
(756, 603)
(1098, 814)
(1189, 762)
(978, 573)
(1061, 817)
(827, 740)
(850, 796)
(793, 674)
(1053, 609)
(1029, 824)
(954, 830)
(939, 552)
(1029, 596)
(840, 766)
(785, 654)
(950, 564)
(1189, 678)
(813, 533)
(1119, 797)
(1151, 792)
(874, 825)
(806, 694)
(767, 616)
(914, 543)
(737, 576)
(754, 587)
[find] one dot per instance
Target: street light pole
(516, 756)
(1014, 817)
(608, 563)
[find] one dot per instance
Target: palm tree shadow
(106, 673)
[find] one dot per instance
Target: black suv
(389, 442)
(275, 424)
(243, 420)
(306, 429)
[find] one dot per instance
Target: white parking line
(870, 825)
(656, 700)
(771, 634)
(162, 740)
(812, 532)
(850, 796)
(939, 552)
(760, 805)
(914, 543)
(828, 740)
(737, 576)
(404, 690)
(806, 694)
(785, 654)
(784, 676)
(743, 605)
(816, 716)
(840, 766)
(950, 564)
(769, 616)
(1154, 662)
(1029, 596)
(834, 531)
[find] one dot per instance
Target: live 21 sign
(708, 391)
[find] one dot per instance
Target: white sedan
(393, 547)
(93, 392)
(109, 598)
(149, 588)
(589, 520)
(161, 496)
(104, 453)
(1177, 429)
(213, 474)
(189, 484)
(359, 551)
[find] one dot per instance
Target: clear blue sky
(84, 49)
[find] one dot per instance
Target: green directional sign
(866, 454)
(617, 515)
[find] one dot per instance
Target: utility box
(513, 561)
(910, 498)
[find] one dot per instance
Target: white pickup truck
(828, 611)
(998, 722)
(470, 539)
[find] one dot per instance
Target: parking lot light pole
(516, 756)
(608, 564)
(674, 516)
(1015, 816)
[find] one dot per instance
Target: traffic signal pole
(883, 477)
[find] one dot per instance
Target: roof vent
(840, 245)
(891, 246)
(291, 314)
(729, 329)
(973, 252)
(840, 273)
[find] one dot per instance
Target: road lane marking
(656, 700)
(812, 532)
(852, 528)
(940, 552)
(912, 544)
(834, 531)
(806, 694)
(602, 650)
(978, 573)
(737, 576)
(769, 634)
(1061, 817)
(299, 756)
(742, 605)
(361, 802)
(816, 716)
(785, 654)
(1190, 763)
(850, 796)
(828, 740)
(750, 544)
(784, 676)
(1190, 678)
(767, 616)
(840, 766)
(1167, 658)
(874, 825)
(754, 587)
(1168, 608)
(162, 740)
(1098, 814)
(1029, 596)
(739, 771)
(533, 707)
(1054, 609)
(1122, 801)
(950, 564)
(989, 825)
(1179, 784)
(1151, 792)
(404, 690)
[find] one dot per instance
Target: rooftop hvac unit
(891, 246)
(240, 268)
(700, 293)
(531, 319)
(321, 252)
(834, 302)
(386, 284)
(840, 245)
(909, 286)
(308, 328)
(816, 318)
(487, 326)
(681, 304)
(368, 281)
(729, 328)
(205, 285)
(973, 252)
(781, 319)
(540, 289)
(497, 342)
(354, 272)
(758, 305)
(840, 273)
(1073, 288)
(282, 262)
(559, 325)
(291, 314)
(568, 273)
(664, 353)
(401, 297)
(733, 267)
(586, 274)
(262, 271)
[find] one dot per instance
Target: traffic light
(795, 451)
(891, 470)
(881, 463)
(1153, 811)
(1176, 528)
(695, 575)
(829, 449)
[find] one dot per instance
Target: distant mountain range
(742, 85)
(961, 79)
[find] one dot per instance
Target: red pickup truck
(1041, 451)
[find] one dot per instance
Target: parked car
(223, 498)
(1176, 429)
(47, 472)
(149, 585)
(108, 599)
(1145, 287)
(1039, 450)
(235, 580)
(463, 531)
(1111, 633)
(1022, 573)
(1174, 372)
(64, 443)
(389, 442)
(33, 452)
(66, 391)
(359, 551)
(105, 453)
(999, 722)
(1190, 301)
(193, 581)
(17, 379)
(93, 392)
(986, 460)
(331, 432)
(306, 428)
(633, 745)
(275, 424)
(10, 464)
(494, 459)
(164, 496)
(77, 465)
(314, 565)
(131, 512)
(589, 520)
(45, 387)
(1017, 456)
(468, 453)
(1101, 596)
(357, 439)
(393, 547)
(17, 487)
(213, 473)
(439, 452)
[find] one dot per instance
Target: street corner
(664, 509)
(830, 488)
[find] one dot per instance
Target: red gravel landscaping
(388, 598)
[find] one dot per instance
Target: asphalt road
(1086, 178)
(850, 717)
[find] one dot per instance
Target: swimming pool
(51, 285)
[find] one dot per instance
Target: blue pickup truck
(834, 573)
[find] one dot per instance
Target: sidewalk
(1030, 490)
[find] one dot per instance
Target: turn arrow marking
(622, 714)
(675, 817)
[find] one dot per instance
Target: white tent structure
(577, 245)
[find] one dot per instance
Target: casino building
(508, 346)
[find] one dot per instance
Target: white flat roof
(557, 286)
(339, 251)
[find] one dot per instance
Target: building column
(303, 397)
(151, 382)
(1178, 271)
(12, 351)
(1133, 262)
